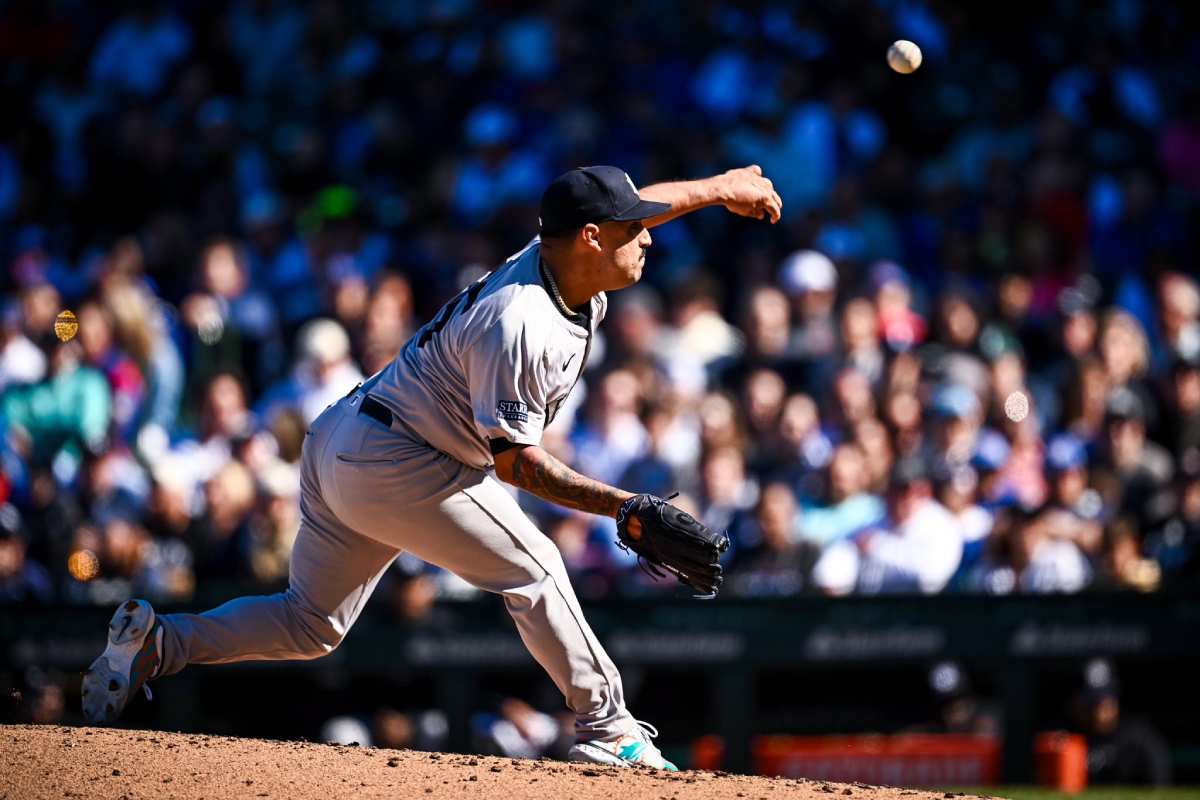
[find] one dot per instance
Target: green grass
(1098, 793)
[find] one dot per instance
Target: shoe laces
(646, 728)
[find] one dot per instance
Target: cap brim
(644, 209)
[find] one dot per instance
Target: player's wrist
(622, 497)
(721, 189)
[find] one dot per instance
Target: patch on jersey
(512, 410)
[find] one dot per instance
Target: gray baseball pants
(368, 492)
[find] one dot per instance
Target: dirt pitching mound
(53, 761)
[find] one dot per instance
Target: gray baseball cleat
(133, 656)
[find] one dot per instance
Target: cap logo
(629, 180)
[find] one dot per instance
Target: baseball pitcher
(413, 460)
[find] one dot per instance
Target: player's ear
(590, 236)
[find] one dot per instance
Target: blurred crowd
(967, 360)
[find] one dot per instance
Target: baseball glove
(667, 538)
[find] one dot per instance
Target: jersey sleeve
(506, 374)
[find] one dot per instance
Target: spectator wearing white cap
(324, 372)
(807, 272)
(810, 280)
(275, 521)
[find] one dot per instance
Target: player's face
(625, 246)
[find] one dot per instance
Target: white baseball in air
(1016, 406)
(904, 56)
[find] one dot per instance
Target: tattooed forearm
(536, 471)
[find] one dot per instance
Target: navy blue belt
(375, 410)
(372, 407)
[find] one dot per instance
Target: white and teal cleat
(633, 749)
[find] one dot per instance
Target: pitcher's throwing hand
(749, 193)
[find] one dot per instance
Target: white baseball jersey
(493, 366)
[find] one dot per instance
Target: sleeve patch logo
(512, 410)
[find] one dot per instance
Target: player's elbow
(507, 457)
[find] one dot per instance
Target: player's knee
(323, 641)
(319, 641)
(523, 599)
(540, 579)
(316, 635)
(547, 558)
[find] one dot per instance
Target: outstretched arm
(531, 468)
(743, 191)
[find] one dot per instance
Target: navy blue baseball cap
(593, 194)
